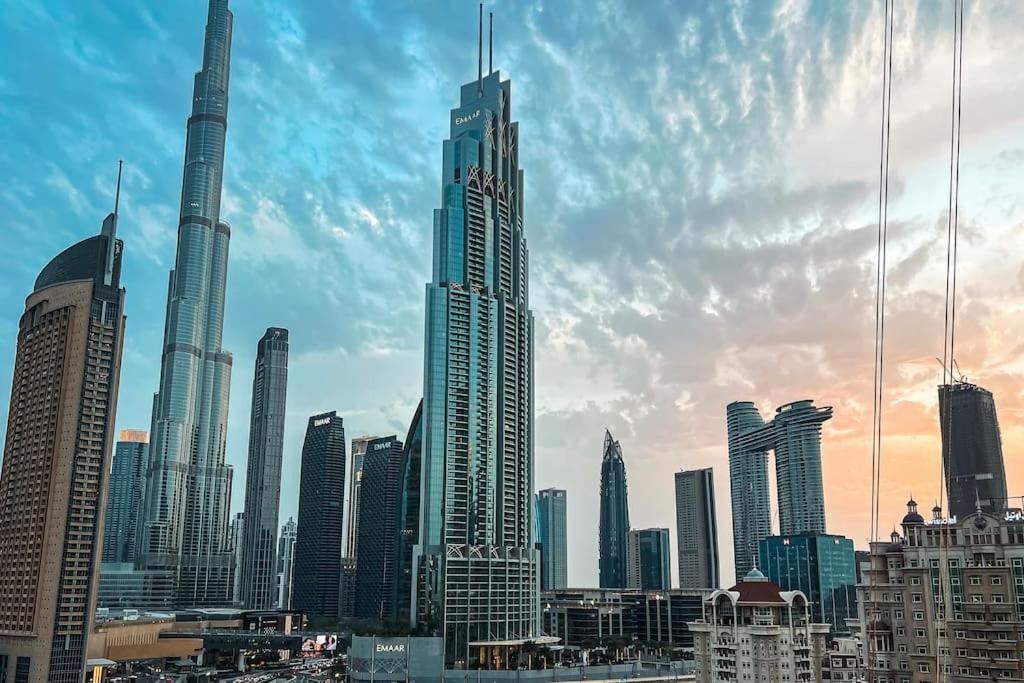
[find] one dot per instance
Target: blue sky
(700, 204)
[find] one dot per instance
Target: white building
(757, 632)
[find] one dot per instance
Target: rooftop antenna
(490, 44)
(480, 53)
(110, 229)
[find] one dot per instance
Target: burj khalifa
(188, 485)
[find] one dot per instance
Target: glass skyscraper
(189, 485)
(972, 449)
(409, 515)
(795, 437)
(317, 576)
(554, 552)
(285, 564)
(696, 529)
(381, 500)
(820, 565)
(477, 470)
(648, 559)
(263, 474)
(355, 482)
(124, 496)
(614, 521)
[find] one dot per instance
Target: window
(975, 598)
(996, 580)
(915, 580)
(918, 616)
(961, 652)
(923, 668)
(899, 614)
(902, 649)
(974, 580)
(902, 631)
(919, 633)
(961, 634)
(998, 599)
(916, 597)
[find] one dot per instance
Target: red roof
(757, 591)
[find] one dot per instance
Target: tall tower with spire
(614, 522)
(188, 484)
(475, 562)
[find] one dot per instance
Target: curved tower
(614, 524)
(188, 483)
(748, 483)
(476, 526)
(972, 449)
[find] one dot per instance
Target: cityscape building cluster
(441, 533)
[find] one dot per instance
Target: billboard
(319, 644)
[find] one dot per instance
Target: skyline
(666, 404)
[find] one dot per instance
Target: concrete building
(258, 568)
(320, 529)
(946, 598)
(819, 566)
(648, 559)
(188, 488)
(614, 517)
(553, 539)
(57, 458)
(696, 529)
(972, 449)
(757, 632)
(477, 486)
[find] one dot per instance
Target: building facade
(972, 449)
(381, 500)
(57, 458)
(588, 617)
(945, 600)
(286, 564)
(124, 498)
(648, 559)
(757, 632)
(355, 482)
(553, 539)
(795, 437)
(236, 544)
(822, 567)
(614, 520)
(409, 517)
(188, 485)
(696, 529)
(477, 465)
(317, 579)
(263, 474)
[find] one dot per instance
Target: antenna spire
(490, 44)
(480, 52)
(117, 191)
(109, 229)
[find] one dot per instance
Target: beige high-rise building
(57, 456)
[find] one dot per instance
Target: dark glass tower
(554, 552)
(614, 522)
(648, 559)
(477, 470)
(972, 449)
(696, 529)
(317, 575)
(189, 485)
(380, 503)
(409, 516)
(124, 500)
(263, 475)
(57, 456)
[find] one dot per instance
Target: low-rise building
(757, 632)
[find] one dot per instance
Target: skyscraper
(124, 498)
(263, 475)
(822, 566)
(355, 483)
(409, 515)
(648, 559)
(477, 467)
(554, 551)
(285, 564)
(795, 436)
(317, 573)
(57, 456)
(696, 529)
(376, 573)
(189, 486)
(236, 545)
(972, 449)
(614, 522)
(748, 482)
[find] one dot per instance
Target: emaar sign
(391, 647)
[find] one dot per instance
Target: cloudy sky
(702, 187)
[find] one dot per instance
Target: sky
(701, 202)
